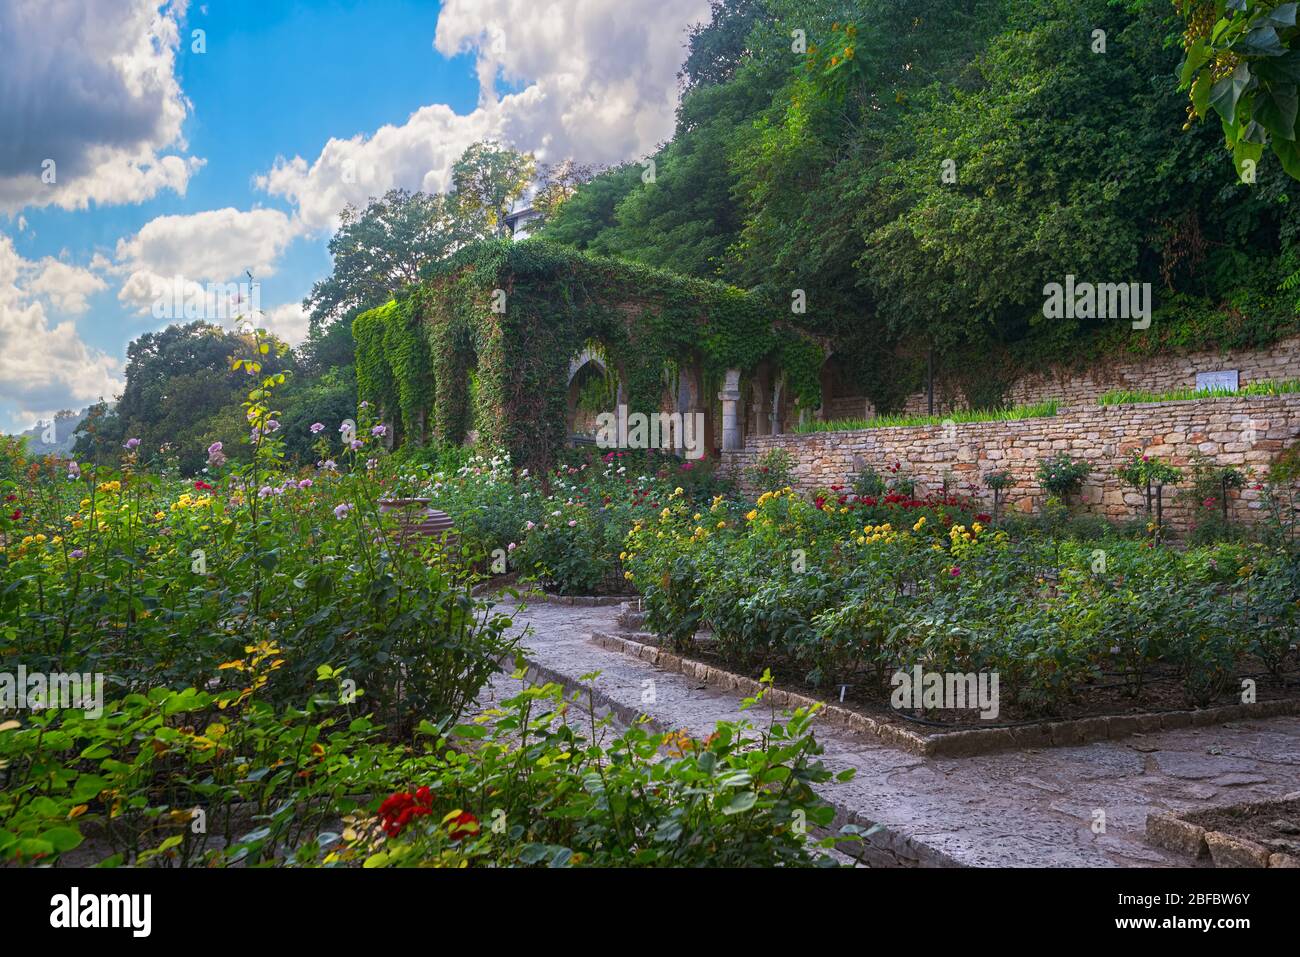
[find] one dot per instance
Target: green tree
(559, 183)
(487, 180)
(180, 396)
(384, 247)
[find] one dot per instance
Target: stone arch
(583, 368)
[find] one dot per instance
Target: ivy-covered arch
(517, 314)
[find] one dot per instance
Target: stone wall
(1082, 387)
(1245, 431)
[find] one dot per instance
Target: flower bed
(848, 593)
(563, 531)
(283, 673)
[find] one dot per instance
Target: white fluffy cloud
(598, 83)
(216, 246)
(92, 89)
(66, 287)
(210, 246)
(45, 366)
(288, 321)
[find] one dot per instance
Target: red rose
(465, 825)
(399, 809)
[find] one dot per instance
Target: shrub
(193, 778)
(773, 470)
(1062, 475)
(999, 483)
(1150, 476)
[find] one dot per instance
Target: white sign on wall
(1217, 380)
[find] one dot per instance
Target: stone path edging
(884, 846)
(1034, 807)
(1046, 734)
(1175, 833)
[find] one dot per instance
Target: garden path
(1020, 808)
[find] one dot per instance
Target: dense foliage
(978, 149)
(847, 589)
(285, 672)
(508, 318)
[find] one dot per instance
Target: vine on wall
(518, 312)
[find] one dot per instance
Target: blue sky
(276, 79)
(175, 162)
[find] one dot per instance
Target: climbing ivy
(375, 379)
(514, 314)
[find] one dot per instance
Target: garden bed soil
(1161, 694)
(963, 732)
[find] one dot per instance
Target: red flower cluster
(462, 826)
(202, 486)
(399, 809)
(402, 807)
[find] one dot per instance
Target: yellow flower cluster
(773, 496)
(877, 533)
(191, 501)
(958, 533)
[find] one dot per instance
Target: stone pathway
(1032, 808)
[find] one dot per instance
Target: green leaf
(1196, 57)
(1288, 152)
(1282, 69)
(1201, 92)
(87, 787)
(1275, 109)
(1261, 41)
(470, 731)
(1245, 151)
(1225, 93)
(64, 839)
(532, 853)
(1281, 16)
(741, 802)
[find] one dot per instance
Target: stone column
(732, 440)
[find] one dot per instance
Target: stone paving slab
(1031, 808)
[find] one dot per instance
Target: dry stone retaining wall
(1070, 386)
(1244, 431)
